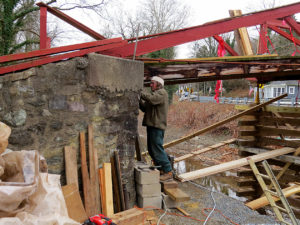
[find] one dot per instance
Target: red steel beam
(284, 34)
(263, 42)
(294, 25)
(278, 23)
(170, 39)
(227, 46)
(49, 51)
(50, 59)
(72, 21)
(43, 27)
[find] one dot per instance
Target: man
(155, 107)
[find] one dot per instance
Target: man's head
(156, 83)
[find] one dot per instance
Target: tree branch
(29, 10)
(20, 45)
(79, 6)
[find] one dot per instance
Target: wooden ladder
(269, 193)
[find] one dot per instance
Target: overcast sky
(201, 12)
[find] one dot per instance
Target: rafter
(170, 39)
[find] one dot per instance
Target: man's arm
(154, 98)
(142, 104)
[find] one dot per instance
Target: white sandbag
(21, 182)
(46, 206)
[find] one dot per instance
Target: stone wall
(48, 106)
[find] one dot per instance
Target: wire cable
(211, 194)
(166, 209)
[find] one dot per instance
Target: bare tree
(19, 22)
(150, 17)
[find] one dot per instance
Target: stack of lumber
(102, 187)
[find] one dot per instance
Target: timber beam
(190, 71)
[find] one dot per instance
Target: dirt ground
(227, 209)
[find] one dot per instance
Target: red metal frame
(55, 58)
(263, 42)
(269, 18)
(43, 27)
(44, 52)
(278, 23)
(284, 34)
(182, 36)
(227, 46)
(69, 20)
(294, 25)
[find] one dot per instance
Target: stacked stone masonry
(48, 106)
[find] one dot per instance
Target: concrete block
(115, 74)
(169, 202)
(148, 190)
(149, 201)
(144, 176)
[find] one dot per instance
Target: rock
(46, 113)
(20, 138)
(56, 125)
(82, 63)
(80, 126)
(16, 118)
(38, 128)
(58, 102)
(37, 102)
(76, 107)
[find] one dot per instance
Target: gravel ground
(201, 198)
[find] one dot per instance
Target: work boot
(166, 176)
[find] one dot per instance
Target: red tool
(98, 220)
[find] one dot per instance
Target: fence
(241, 101)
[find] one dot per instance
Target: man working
(155, 107)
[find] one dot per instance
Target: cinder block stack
(147, 186)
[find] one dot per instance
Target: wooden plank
(102, 190)
(233, 164)
(132, 216)
(116, 192)
(74, 203)
(284, 158)
(287, 123)
(285, 168)
(199, 151)
(177, 194)
(270, 131)
(172, 143)
(94, 179)
(247, 123)
(242, 35)
(269, 121)
(264, 141)
(263, 201)
(85, 177)
(169, 184)
(183, 211)
(109, 204)
(119, 178)
(71, 165)
(272, 108)
(138, 148)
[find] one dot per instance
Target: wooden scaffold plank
(209, 148)
(232, 164)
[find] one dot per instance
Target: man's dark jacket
(155, 107)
